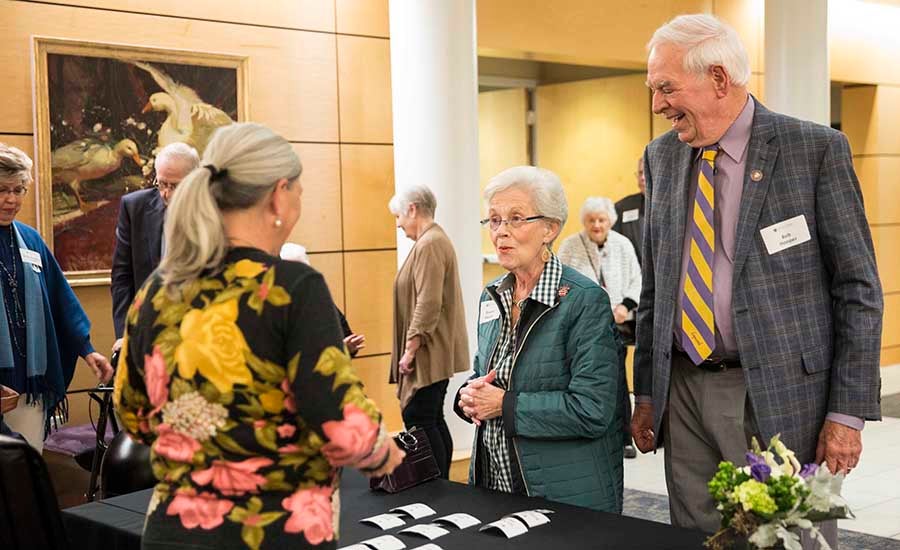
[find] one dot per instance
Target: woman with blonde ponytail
(234, 368)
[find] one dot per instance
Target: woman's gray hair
(241, 165)
(181, 152)
(707, 41)
(15, 165)
(420, 195)
(596, 205)
(542, 185)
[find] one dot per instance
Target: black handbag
(418, 465)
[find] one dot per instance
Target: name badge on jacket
(31, 257)
(631, 215)
(784, 235)
(489, 312)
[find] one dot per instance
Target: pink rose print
(289, 402)
(156, 379)
(175, 445)
(204, 509)
(263, 291)
(233, 478)
(350, 439)
(285, 431)
(289, 449)
(310, 514)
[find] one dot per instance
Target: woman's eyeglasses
(18, 191)
(494, 222)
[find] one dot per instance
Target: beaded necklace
(16, 317)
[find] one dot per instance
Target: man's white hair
(707, 41)
(181, 152)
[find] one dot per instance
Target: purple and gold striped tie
(697, 319)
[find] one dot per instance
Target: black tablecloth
(116, 523)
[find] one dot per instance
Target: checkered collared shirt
(499, 473)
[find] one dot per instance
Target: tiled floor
(872, 490)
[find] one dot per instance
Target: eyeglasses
(18, 192)
(494, 222)
(163, 186)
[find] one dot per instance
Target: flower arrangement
(767, 501)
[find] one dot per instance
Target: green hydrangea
(726, 479)
(786, 491)
(754, 497)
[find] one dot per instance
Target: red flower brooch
(563, 290)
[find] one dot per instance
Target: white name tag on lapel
(631, 215)
(31, 257)
(489, 312)
(784, 235)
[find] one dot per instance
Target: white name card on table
(430, 531)
(385, 542)
(416, 511)
(355, 547)
(544, 511)
(384, 521)
(532, 518)
(428, 546)
(460, 520)
(509, 526)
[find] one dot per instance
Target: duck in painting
(89, 159)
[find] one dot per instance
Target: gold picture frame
(94, 141)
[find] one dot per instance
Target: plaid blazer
(807, 319)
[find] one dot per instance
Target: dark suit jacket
(632, 229)
(137, 254)
(808, 318)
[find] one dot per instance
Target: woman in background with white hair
(608, 258)
(430, 341)
(545, 394)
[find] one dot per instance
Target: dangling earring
(277, 222)
(546, 254)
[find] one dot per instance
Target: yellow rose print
(212, 343)
(248, 269)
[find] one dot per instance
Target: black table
(116, 523)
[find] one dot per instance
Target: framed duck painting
(102, 111)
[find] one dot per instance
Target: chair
(125, 468)
(29, 513)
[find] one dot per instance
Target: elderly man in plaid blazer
(761, 307)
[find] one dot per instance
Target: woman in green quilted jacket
(545, 392)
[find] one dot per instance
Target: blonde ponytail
(241, 164)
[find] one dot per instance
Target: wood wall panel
(890, 356)
(367, 172)
(319, 227)
(292, 77)
(368, 17)
(331, 266)
(865, 112)
(878, 177)
(374, 371)
(369, 280)
(586, 32)
(364, 69)
(591, 133)
(311, 15)
(28, 213)
(746, 16)
(890, 334)
(886, 238)
(863, 41)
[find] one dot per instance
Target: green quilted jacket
(562, 412)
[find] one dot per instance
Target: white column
(434, 83)
(796, 71)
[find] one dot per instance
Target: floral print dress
(244, 391)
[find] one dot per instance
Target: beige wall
(870, 115)
(319, 75)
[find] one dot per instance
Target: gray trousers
(709, 419)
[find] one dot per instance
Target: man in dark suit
(761, 307)
(630, 212)
(139, 244)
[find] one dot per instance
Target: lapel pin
(756, 175)
(563, 290)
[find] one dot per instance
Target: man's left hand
(100, 365)
(839, 447)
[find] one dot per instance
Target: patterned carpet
(656, 508)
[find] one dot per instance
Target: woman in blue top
(43, 329)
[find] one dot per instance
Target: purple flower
(808, 470)
(758, 467)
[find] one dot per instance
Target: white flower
(149, 131)
(64, 123)
(790, 464)
(193, 415)
(129, 121)
(141, 125)
(98, 127)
